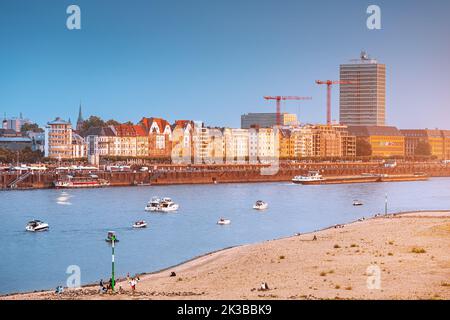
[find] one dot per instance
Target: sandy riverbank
(411, 251)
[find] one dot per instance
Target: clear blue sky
(213, 60)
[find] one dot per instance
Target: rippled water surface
(80, 219)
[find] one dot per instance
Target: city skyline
(130, 60)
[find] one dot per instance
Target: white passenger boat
(223, 221)
(36, 225)
(161, 205)
(311, 177)
(153, 204)
(260, 205)
(167, 205)
(140, 224)
(71, 182)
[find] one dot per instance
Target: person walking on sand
(133, 285)
(102, 286)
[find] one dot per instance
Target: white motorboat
(153, 204)
(167, 205)
(260, 205)
(162, 205)
(311, 177)
(140, 224)
(223, 221)
(36, 225)
(357, 203)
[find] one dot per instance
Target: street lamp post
(385, 204)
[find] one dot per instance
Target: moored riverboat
(91, 181)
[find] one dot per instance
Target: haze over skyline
(215, 60)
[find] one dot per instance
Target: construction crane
(329, 83)
(279, 98)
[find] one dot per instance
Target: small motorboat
(357, 203)
(140, 224)
(111, 235)
(223, 221)
(36, 225)
(153, 204)
(167, 205)
(260, 205)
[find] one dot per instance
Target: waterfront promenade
(409, 250)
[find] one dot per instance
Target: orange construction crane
(329, 83)
(279, 98)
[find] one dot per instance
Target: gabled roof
(182, 124)
(161, 123)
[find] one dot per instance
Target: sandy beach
(409, 250)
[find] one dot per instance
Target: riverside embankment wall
(230, 174)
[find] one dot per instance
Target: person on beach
(102, 286)
(264, 286)
(133, 283)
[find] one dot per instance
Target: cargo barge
(314, 178)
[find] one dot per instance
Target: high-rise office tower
(363, 102)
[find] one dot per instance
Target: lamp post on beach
(385, 204)
(113, 239)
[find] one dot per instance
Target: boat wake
(64, 203)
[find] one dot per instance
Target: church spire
(80, 119)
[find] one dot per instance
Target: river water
(79, 221)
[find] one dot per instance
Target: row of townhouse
(314, 141)
(188, 141)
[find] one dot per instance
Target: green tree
(6, 156)
(423, 148)
(25, 155)
(29, 156)
(112, 122)
(92, 121)
(363, 148)
(31, 127)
